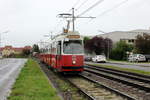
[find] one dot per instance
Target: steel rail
(130, 73)
(120, 73)
(89, 97)
(147, 89)
(128, 97)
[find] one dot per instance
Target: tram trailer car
(65, 53)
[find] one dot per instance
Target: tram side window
(59, 48)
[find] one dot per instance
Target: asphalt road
(125, 65)
(9, 70)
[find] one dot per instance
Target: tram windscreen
(73, 47)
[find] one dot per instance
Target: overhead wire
(59, 23)
(67, 12)
(94, 5)
(76, 4)
(114, 7)
(84, 2)
(111, 9)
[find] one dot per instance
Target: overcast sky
(29, 20)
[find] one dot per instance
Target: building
(127, 36)
(9, 50)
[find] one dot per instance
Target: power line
(82, 4)
(98, 2)
(114, 7)
(111, 9)
(76, 3)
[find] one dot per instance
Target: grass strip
(124, 69)
(32, 84)
(125, 61)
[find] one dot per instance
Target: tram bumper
(73, 68)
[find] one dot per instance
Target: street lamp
(1, 36)
(107, 43)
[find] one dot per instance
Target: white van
(136, 58)
(99, 58)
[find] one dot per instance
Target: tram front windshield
(73, 47)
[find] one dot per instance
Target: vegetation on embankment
(32, 84)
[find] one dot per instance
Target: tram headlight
(74, 62)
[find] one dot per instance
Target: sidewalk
(9, 71)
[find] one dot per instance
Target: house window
(131, 40)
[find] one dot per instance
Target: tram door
(58, 56)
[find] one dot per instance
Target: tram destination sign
(73, 36)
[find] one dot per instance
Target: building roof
(141, 30)
(119, 35)
(16, 49)
(28, 47)
(8, 47)
(1, 48)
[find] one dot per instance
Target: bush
(120, 49)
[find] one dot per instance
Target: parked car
(99, 58)
(147, 56)
(88, 58)
(136, 58)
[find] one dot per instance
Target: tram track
(89, 89)
(134, 83)
(142, 82)
(138, 86)
(141, 77)
(95, 87)
(113, 90)
(67, 94)
(94, 90)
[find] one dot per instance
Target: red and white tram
(65, 53)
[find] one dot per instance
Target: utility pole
(107, 43)
(1, 40)
(108, 50)
(1, 37)
(73, 18)
(49, 35)
(67, 15)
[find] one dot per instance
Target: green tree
(35, 48)
(26, 52)
(120, 49)
(142, 44)
(98, 45)
(86, 39)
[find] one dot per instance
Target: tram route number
(73, 36)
